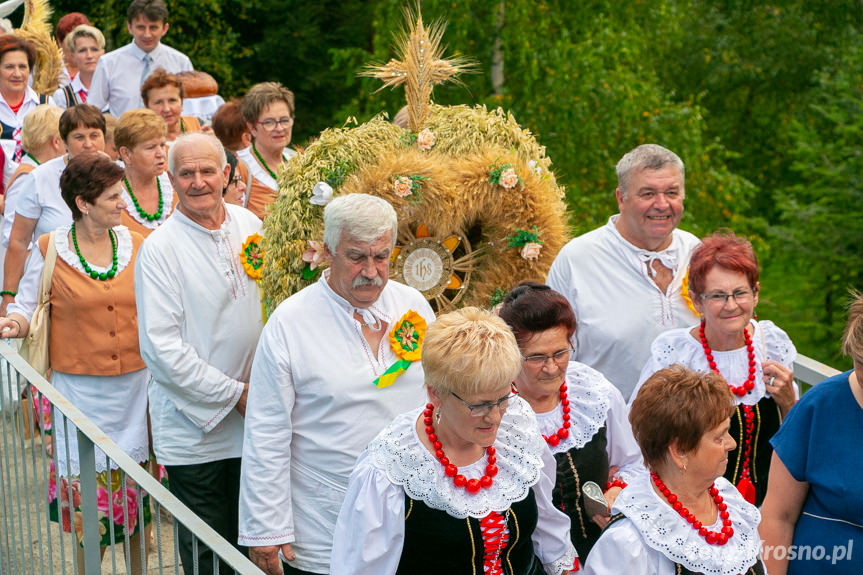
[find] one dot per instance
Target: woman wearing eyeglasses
(755, 357)
(269, 112)
(460, 485)
(581, 415)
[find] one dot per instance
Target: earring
(437, 416)
(754, 314)
(684, 469)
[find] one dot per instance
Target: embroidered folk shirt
(312, 408)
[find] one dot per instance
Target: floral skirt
(124, 515)
(117, 506)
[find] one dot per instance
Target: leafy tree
(819, 237)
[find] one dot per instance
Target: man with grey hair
(199, 320)
(318, 390)
(624, 279)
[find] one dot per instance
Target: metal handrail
(86, 428)
(812, 372)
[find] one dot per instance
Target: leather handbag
(35, 346)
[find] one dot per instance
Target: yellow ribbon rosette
(684, 292)
(406, 340)
(252, 256)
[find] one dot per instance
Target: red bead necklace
(563, 432)
(749, 384)
(744, 484)
(471, 485)
(712, 537)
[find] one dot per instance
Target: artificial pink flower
(402, 186)
(313, 254)
(509, 178)
(531, 250)
(425, 140)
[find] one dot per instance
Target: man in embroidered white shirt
(315, 400)
(199, 320)
(624, 279)
(116, 84)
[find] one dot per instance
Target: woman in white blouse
(92, 308)
(581, 415)
(684, 518)
(462, 485)
(755, 357)
(39, 206)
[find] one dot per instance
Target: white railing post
(89, 512)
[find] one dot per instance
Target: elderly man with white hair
(624, 280)
(326, 379)
(199, 320)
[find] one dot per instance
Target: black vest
(757, 569)
(574, 468)
(436, 542)
(766, 422)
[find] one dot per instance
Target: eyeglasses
(718, 298)
(539, 360)
(484, 409)
(270, 124)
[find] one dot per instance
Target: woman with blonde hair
(813, 498)
(40, 137)
(140, 139)
(462, 485)
(84, 46)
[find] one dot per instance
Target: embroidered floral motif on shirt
(406, 340)
(252, 256)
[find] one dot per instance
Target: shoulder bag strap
(47, 271)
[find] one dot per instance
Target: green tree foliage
(761, 100)
(819, 238)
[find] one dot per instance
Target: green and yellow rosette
(684, 292)
(252, 256)
(406, 340)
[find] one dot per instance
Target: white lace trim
(665, 531)
(565, 563)
(260, 173)
(589, 401)
(67, 252)
(398, 452)
(678, 346)
(167, 204)
(140, 454)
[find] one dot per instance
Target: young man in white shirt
(117, 81)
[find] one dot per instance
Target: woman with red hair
(755, 358)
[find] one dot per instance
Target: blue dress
(820, 443)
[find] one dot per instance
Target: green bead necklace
(144, 215)
(90, 271)
(263, 163)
